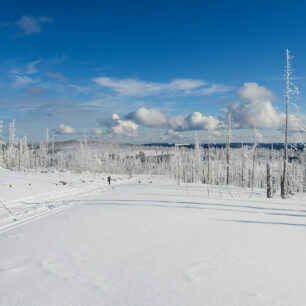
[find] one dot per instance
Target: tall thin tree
(288, 77)
(229, 133)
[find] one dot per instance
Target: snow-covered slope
(156, 243)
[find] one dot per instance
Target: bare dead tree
(291, 89)
(269, 185)
(284, 176)
(229, 131)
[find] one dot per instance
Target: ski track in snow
(24, 209)
(38, 215)
(157, 244)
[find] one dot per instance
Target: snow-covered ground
(28, 195)
(148, 241)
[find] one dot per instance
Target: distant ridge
(276, 146)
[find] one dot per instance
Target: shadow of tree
(263, 222)
(204, 206)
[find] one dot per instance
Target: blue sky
(142, 71)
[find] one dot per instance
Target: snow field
(156, 243)
(30, 195)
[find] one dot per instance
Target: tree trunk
(269, 186)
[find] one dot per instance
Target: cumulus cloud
(154, 118)
(150, 118)
(173, 134)
(297, 123)
(196, 121)
(256, 110)
(253, 92)
(118, 126)
(65, 130)
(133, 87)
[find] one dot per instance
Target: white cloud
(119, 127)
(196, 121)
(173, 134)
(297, 122)
(65, 130)
(127, 128)
(154, 118)
(30, 25)
(22, 81)
(133, 87)
(213, 89)
(183, 84)
(30, 68)
(253, 92)
(149, 118)
(257, 109)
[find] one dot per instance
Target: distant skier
(109, 180)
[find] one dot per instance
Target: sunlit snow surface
(147, 241)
